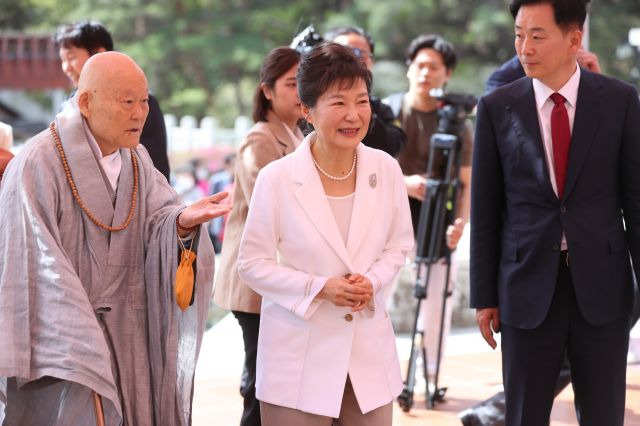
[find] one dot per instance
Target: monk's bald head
(113, 98)
(109, 68)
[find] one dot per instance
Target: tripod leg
(405, 399)
(435, 316)
(425, 370)
(445, 318)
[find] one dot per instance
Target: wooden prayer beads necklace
(74, 190)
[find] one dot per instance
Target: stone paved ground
(471, 371)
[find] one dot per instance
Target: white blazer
(291, 245)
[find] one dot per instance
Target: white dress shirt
(544, 106)
(111, 164)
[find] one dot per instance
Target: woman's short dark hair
(566, 12)
(87, 35)
(277, 62)
(326, 64)
(435, 42)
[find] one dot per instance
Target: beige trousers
(350, 414)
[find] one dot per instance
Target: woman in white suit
(328, 229)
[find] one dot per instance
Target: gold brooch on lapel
(373, 180)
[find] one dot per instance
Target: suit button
(348, 318)
(563, 209)
(556, 247)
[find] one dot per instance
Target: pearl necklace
(338, 178)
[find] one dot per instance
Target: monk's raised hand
(204, 210)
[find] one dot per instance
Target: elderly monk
(90, 240)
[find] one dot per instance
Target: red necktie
(561, 139)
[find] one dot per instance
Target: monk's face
(114, 101)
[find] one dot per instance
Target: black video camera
(453, 110)
(442, 175)
(306, 40)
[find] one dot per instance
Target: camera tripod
(440, 199)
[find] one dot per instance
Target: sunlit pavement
(471, 372)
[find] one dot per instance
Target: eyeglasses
(362, 54)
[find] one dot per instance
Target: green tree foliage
(202, 56)
(15, 15)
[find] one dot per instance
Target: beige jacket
(265, 142)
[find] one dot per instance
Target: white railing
(187, 136)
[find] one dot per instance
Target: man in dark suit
(490, 412)
(555, 169)
(79, 41)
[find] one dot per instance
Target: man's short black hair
(88, 35)
(435, 42)
(338, 31)
(566, 12)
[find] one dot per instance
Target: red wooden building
(30, 62)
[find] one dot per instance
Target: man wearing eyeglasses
(383, 133)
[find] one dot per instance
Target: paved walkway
(471, 371)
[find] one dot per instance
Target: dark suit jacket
(383, 132)
(508, 72)
(154, 137)
(517, 220)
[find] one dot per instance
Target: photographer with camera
(431, 61)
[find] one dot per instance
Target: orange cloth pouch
(183, 287)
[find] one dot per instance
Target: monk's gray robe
(83, 309)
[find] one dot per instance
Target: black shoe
(469, 418)
(489, 412)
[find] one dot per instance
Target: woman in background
(328, 229)
(276, 111)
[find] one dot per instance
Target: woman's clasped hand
(354, 290)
